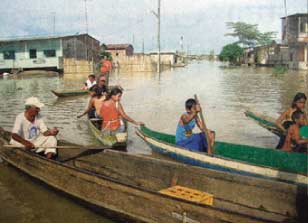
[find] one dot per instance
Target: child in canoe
(184, 136)
(95, 103)
(285, 119)
(293, 141)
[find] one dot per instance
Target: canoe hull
(264, 121)
(217, 163)
(129, 201)
(62, 94)
(107, 141)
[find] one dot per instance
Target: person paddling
(285, 119)
(184, 131)
(30, 130)
(112, 112)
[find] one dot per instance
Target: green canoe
(118, 140)
(68, 93)
(268, 123)
(235, 158)
(265, 121)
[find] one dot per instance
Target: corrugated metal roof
(118, 46)
(40, 38)
(296, 15)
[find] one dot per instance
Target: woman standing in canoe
(285, 119)
(112, 111)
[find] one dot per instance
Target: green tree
(231, 53)
(249, 35)
(266, 38)
(106, 54)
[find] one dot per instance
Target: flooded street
(158, 102)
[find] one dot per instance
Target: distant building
(166, 58)
(119, 50)
(74, 53)
(267, 55)
(295, 34)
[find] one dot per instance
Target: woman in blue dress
(184, 131)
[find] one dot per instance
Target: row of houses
(291, 52)
(78, 53)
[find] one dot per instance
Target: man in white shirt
(90, 82)
(30, 130)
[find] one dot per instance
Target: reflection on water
(223, 93)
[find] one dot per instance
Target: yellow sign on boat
(189, 194)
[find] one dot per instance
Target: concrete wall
(72, 65)
(22, 55)
(135, 63)
(143, 62)
(165, 59)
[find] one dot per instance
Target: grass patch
(280, 69)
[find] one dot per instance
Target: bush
(231, 53)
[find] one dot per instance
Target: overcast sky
(200, 22)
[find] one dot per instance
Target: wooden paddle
(61, 147)
(205, 129)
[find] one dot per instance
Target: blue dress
(192, 141)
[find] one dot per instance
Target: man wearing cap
(30, 130)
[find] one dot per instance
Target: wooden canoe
(75, 92)
(269, 123)
(264, 121)
(111, 141)
(69, 93)
(127, 187)
(240, 159)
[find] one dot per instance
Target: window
(32, 53)
(50, 53)
(291, 56)
(9, 55)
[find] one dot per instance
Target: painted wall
(22, 54)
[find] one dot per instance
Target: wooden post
(205, 130)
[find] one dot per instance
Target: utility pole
(54, 23)
(286, 22)
(143, 46)
(157, 15)
(86, 15)
(181, 44)
(285, 8)
(158, 37)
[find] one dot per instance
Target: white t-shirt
(89, 84)
(28, 130)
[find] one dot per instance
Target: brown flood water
(224, 94)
